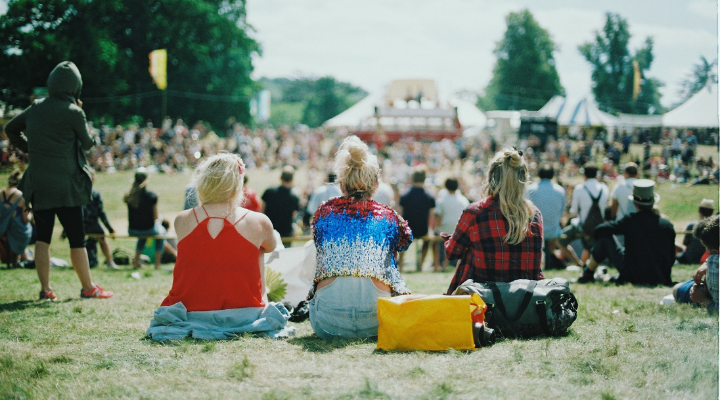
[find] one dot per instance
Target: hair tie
(241, 167)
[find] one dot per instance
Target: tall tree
(209, 54)
(324, 103)
(613, 73)
(703, 73)
(524, 76)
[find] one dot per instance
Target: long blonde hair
(356, 168)
(220, 178)
(506, 181)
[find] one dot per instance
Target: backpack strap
(594, 199)
(497, 296)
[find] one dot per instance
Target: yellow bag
(428, 322)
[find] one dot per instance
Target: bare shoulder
(185, 222)
(259, 220)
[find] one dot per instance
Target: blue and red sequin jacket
(359, 238)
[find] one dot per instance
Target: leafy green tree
(209, 54)
(613, 72)
(524, 76)
(703, 73)
(324, 103)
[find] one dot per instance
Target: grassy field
(623, 345)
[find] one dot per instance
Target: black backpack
(595, 216)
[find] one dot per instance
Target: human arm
(14, 130)
(459, 243)
(79, 126)
(613, 208)
(269, 241)
(700, 274)
(607, 229)
(700, 295)
(101, 212)
(155, 212)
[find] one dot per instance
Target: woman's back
(486, 257)
(216, 269)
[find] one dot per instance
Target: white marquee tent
(699, 111)
(357, 115)
(583, 112)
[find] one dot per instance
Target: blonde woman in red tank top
(220, 244)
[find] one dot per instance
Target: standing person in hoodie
(57, 182)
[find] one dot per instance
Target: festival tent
(699, 111)
(584, 112)
(359, 114)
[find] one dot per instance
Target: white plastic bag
(297, 267)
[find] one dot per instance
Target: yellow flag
(158, 68)
(637, 78)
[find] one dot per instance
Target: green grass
(623, 345)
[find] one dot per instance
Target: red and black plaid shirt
(484, 256)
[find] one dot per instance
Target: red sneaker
(48, 295)
(96, 293)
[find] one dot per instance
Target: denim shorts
(346, 308)
(156, 230)
(683, 292)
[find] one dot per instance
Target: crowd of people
(377, 199)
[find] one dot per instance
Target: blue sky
(371, 42)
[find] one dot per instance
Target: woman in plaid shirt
(500, 238)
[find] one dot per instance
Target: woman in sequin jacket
(356, 240)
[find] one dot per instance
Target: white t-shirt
(385, 195)
(620, 192)
(450, 207)
(322, 194)
(581, 201)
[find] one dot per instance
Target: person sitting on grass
(500, 238)
(143, 217)
(218, 287)
(699, 291)
(648, 254)
(356, 240)
(15, 219)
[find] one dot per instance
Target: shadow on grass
(25, 304)
(315, 344)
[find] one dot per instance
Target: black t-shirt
(280, 204)
(416, 205)
(143, 217)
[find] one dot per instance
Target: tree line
(210, 50)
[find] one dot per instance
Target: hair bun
(512, 157)
(357, 157)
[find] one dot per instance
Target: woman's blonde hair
(506, 181)
(357, 170)
(220, 178)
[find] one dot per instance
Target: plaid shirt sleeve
(711, 279)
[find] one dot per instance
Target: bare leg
(585, 256)
(591, 264)
(569, 253)
(158, 258)
(436, 255)
(136, 261)
(81, 265)
(42, 264)
(106, 252)
(423, 254)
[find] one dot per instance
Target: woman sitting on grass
(143, 216)
(218, 283)
(500, 238)
(356, 241)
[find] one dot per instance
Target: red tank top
(216, 274)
